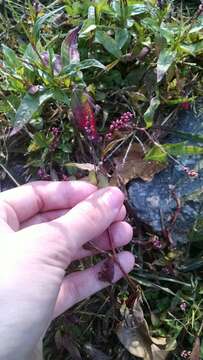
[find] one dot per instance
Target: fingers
(60, 239)
(73, 290)
(121, 233)
(43, 217)
(21, 203)
(54, 214)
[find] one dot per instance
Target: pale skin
(43, 227)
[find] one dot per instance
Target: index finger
(61, 238)
(21, 203)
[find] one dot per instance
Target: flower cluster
(55, 132)
(122, 123)
(89, 127)
(185, 354)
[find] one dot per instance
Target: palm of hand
(43, 229)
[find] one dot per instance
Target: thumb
(63, 236)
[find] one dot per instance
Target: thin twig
(9, 174)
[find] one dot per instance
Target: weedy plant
(88, 86)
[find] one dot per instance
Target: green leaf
(61, 96)
(160, 153)
(72, 69)
(188, 136)
(29, 105)
(193, 49)
(87, 28)
(183, 149)
(40, 141)
(41, 20)
(198, 26)
(108, 43)
(88, 63)
(30, 54)
(10, 57)
(165, 60)
(121, 37)
(137, 9)
(168, 32)
(149, 114)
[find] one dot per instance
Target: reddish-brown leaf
(196, 350)
(107, 271)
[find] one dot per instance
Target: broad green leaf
(160, 153)
(168, 32)
(88, 63)
(151, 24)
(165, 60)
(29, 105)
(149, 114)
(108, 43)
(87, 29)
(137, 9)
(30, 54)
(121, 37)
(198, 26)
(72, 69)
(42, 19)
(10, 57)
(193, 49)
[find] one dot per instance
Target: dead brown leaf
(135, 166)
(133, 333)
(196, 350)
(106, 273)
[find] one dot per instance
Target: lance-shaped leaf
(69, 48)
(149, 114)
(161, 152)
(108, 43)
(29, 105)
(165, 60)
(83, 112)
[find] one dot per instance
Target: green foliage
(161, 152)
(139, 56)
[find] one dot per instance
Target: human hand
(43, 227)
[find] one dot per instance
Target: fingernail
(113, 198)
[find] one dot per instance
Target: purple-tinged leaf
(45, 58)
(69, 48)
(33, 89)
(57, 65)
